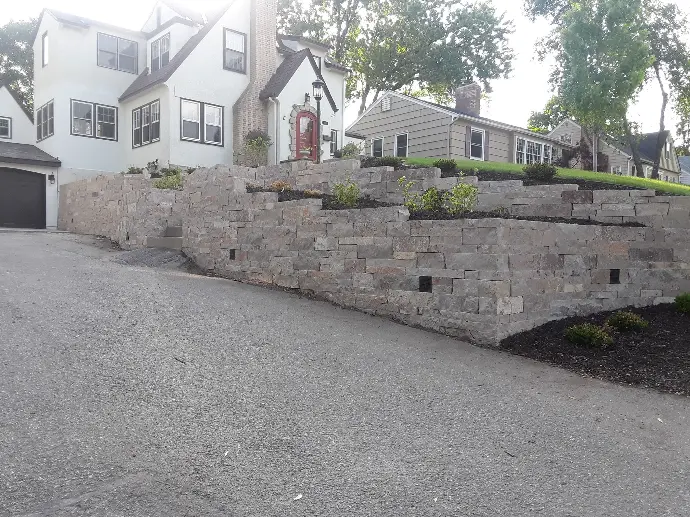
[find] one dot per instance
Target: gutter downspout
(276, 128)
(450, 128)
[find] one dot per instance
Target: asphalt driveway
(134, 391)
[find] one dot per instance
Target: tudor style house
(400, 125)
(183, 90)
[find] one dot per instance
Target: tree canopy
(17, 58)
(553, 114)
(433, 46)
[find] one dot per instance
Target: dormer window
(117, 53)
(160, 53)
(235, 53)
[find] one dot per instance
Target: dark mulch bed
(582, 184)
(430, 215)
(657, 357)
(328, 202)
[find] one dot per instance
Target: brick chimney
(468, 99)
(249, 112)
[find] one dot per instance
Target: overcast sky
(511, 101)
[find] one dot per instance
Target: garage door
(22, 199)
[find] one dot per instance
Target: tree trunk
(376, 96)
(660, 141)
(595, 152)
(363, 104)
(635, 148)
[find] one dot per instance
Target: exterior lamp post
(318, 95)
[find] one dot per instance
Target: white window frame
(226, 50)
(9, 128)
(407, 145)
(118, 53)
(43, 120)
(202, 123)
(45, 49)
(616, 169)
(99, 109)
(334, 141)
(94, 130)
(219, 126)
(383, 141)
(146, 123)
(155, 112)
(136, 125)
(553, 154)
(483, 132)
(157, 52)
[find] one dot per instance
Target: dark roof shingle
(27, 154)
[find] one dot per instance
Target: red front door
(306, 135)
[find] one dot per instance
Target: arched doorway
(22, 198)
(306, 135)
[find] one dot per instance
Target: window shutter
(486, 145)
(468, 141)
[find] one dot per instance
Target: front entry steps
(171, 240)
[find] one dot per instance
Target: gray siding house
(400, 125)
(684, 162)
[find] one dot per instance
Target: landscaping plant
(313, 193)
(347, 194)
(383, 161)
(171, 181)
(625, 320)
(350, 150)
(280, 186)
(135, 170)
(411, 200)
(461, 198)
(254, 151)
(446, 165)
(683, 303)
(152, 168)
(541, 171)
(432, 200)
(589, 335)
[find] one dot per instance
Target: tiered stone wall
(478, 279)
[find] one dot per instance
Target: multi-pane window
(520, 144)
(534, 151)
(401, 146)
(145, 125)
(5, 127)
(616, 169)
(527, 151)
(44, 49)
(377, 148)
(117, 53)
(45, 122)
(477, 144)
(155, 121)
(192, 113)
(94, 120)
(136, 128)
(160, 52)
(235, 52)
(567, 138)
(334, 141)
(547, 153)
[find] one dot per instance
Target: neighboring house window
(94, 120)
(192, 113)
(334, 141)
(534, 151)
(44, 49)
(477, 144)
(235, 51)
(520, 150)
(547, 153)
(45, 123)
(117, 53)
(377, 148)
(160, 52)
(616, 169)
(667, 147)
(146, 124)
(401, 146)
(527, 151)
(568, 139)
(5, 127)
(647, 172)
(386, 104)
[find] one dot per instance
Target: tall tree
(433, 46)
(553, 114)
(683, 127)
(17, 59)
(604, 57)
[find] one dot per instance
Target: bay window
(94, 120)
(146, 124)
(191, 128)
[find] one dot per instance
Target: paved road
(131, 391)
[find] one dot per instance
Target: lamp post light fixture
(318, 95)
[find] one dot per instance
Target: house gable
(16, 122)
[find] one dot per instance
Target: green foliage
(152, 169)
(383, 161)
(625, 320)
(135, 170)
(446, 165)
(432, 200)
(172, 180)
(254, 151)
(461, 198)
(540, 171)
(17, 59)
(411, 200)
(351, 150)
(347, 194)
(683, 303)
(588, 334)
(545, 121)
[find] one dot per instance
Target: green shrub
(683, 303)
(446, 165)
(171, 181)
(351, 150)
(588, 334)
(461, 198)
(383, 161)
(625, 320)
(412, 200)
(432, 200)
(540, 171)
(347, 194)
(254, 151)
(152, 168)
(135, 170)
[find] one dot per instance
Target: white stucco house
(183, 90)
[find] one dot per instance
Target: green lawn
(468, 165)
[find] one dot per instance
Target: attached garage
(27, 182)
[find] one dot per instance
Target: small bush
(254, 151)
(347, 194)
(683, 303)
(313, 193)
(172, 181)
(461, 198)
(588, 334)
(280, 186)
(412, 200)
(383, 161)
(152, 168)
(135, 170)
(540, 171)
(446, 165)
(625, 320)
(170, 171)
(432, 200)
(351, 150)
